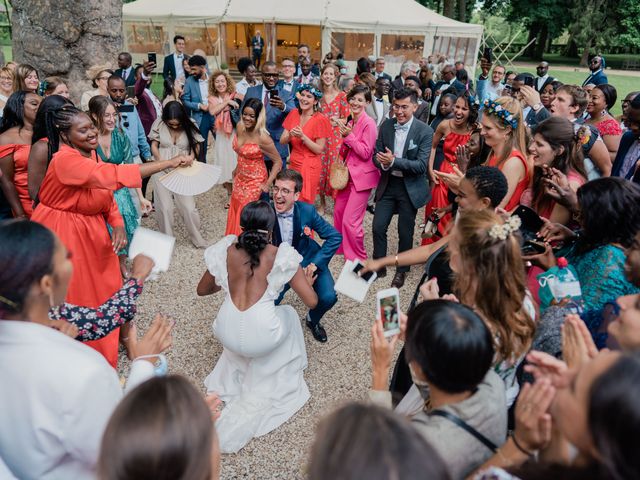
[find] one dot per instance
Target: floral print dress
(339, 107)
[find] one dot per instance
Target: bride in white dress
(259, 375)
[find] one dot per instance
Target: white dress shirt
(288, 86)
(541, 81)
(437, 99)
(177, 61)
(204, 90)
(286, 226)
(58, 395)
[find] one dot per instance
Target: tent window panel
(290, 36)
(199, 38)
(145, 37)
(352, 45)
(401, 48)
(456, 48)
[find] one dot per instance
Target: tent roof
(367, 15)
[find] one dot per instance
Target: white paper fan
(193, 180)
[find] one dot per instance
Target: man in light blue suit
(278, 103)
(196, 99)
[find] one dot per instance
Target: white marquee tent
(373, 27)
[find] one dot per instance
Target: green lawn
(623, 84)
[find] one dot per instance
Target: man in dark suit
(173, 62)
(278, 103)
(628, 156)
(125, 70)
(402, 153)
(597, 76)
(407, 69)
(257, 45)
(196, 99)
(305, 52)
(379, 69)
(447, 80)
(296, 224)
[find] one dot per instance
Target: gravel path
(338, 371)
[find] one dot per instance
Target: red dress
(522, 185)
(440, 192)
(303, 160)
(20, 162)
(251, 172)
(338, 108)
(76, 202)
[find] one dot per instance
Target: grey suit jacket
(412, 164)
(372, 112)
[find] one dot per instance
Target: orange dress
(76, 202)
(522, 185)
(20, 162)
(303, 160)
(251, 172)
(440, 192)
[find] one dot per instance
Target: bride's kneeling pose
(260, 372)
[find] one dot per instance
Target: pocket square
(411, 145)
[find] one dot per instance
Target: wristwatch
(537, 106)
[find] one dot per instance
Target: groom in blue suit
(278, 103)
(297, 221)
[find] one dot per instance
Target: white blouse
(57, 397)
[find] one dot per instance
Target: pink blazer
(361, 143)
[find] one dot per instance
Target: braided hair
(488, 182)
(257, 221)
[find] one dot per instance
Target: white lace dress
(260, 372)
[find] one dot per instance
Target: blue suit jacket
(625, 144)
(275, 116)
(305, 215)
(191, 98)
(597, 79)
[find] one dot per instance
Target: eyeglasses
(288, 66)
(270, 75)
(284, 191)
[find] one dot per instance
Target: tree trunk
(572, 48)
(449, 8)
(584, 60)
(68, 39)
(541, 42)
(462, 10)
(534, 28)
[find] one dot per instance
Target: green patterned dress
(121, 153)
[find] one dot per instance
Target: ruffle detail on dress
(284, 268)
(215, 258)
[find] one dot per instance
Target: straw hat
(93, 72)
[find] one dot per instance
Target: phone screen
(273, 93)
(131, 91)
(364, 276)
(151, 56)
(389, 311)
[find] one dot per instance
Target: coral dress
(522, 185)
(339, 107)
(20, 161)
(76, 202)
(303, 160)
(440, 192)
(250, 174)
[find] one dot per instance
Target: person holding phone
(523, 89)
(196, 100)
(490, 90)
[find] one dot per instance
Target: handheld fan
(192, 180)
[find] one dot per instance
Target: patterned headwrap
(494, 108)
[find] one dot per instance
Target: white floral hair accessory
(501, 232)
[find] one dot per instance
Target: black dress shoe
(398, 279)
(318, 331)
(371, 209)
(381, 273)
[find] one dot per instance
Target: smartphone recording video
(388, 310)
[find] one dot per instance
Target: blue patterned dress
(121, 153)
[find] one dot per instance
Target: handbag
(339, 172)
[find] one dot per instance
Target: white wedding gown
(260, 372)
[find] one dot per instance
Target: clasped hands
(385, 158)
(182, 161)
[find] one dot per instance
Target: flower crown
(494, 108)
(310, 88)
(501, 232)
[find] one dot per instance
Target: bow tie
(285, 215)
(180, 55)
(401, 128)
(379, 100)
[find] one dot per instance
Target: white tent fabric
(397, 16)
